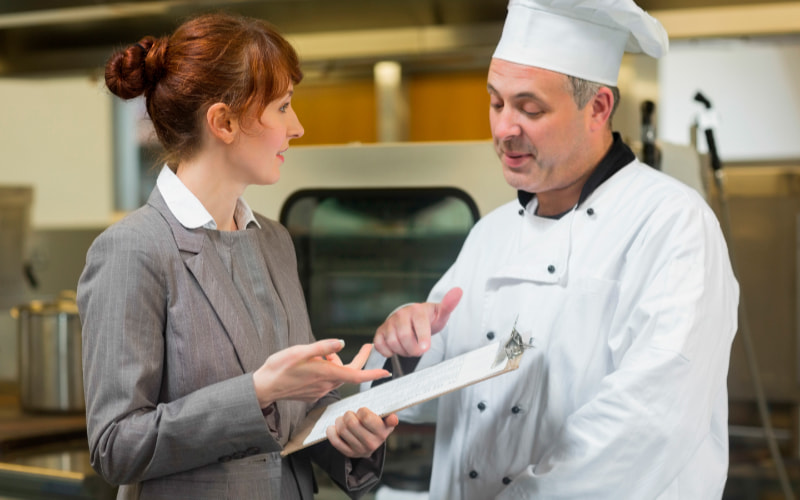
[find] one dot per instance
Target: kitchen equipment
(49, 344)
(15, 205)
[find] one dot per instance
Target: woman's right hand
(308, 372)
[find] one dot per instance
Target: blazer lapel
(205, 265)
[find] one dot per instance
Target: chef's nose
(505, 124)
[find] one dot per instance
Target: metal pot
(49, 344)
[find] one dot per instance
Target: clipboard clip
(513, 347)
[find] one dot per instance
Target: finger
(334, 358)
(353, 432)
(394, 335)
(443, 309)
(361, 358)
(320, 348)
(379, 342)
(391, 420)
(337, 442)
(420, 341)
(349, 430)
(380, 427)
(354, 376)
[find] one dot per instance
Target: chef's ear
(222, 123)
(602, 104)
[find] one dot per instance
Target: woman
(199, 361)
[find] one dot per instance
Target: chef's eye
(531, 111)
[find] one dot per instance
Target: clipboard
(414, 388)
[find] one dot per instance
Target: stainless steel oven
(363, 252)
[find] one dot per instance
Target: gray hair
(583, 90)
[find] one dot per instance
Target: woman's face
(257, 152)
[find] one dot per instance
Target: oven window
(363, 252)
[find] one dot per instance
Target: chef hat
(581, 38)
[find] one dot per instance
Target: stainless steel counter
(45, 456)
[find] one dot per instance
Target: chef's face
(539, 132)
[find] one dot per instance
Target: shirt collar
(185, 206)
(618, 155)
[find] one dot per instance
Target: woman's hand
(308, 372)
(358, 435)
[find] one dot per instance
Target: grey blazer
(168, 355)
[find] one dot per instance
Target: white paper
(414, 388)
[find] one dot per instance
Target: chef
(616, 276)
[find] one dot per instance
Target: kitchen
(64, 132)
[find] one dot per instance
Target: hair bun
(139, 67)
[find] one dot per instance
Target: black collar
(617, 157)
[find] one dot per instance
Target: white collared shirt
(185, 206)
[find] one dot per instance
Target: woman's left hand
(359, 434)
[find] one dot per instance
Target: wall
(754, 87)
(56, 136)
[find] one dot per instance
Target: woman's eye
(284, 108)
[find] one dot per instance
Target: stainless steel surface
(49, 344)
(60, 470)
(764, 204)
(15, 205)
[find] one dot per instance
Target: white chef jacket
(631, 303)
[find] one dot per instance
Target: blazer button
(224, 458)
(506, 480)
(490, 335)
(551, 269)
(481, 406)
(473, 474)
(516, 410)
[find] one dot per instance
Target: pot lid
(65, 303)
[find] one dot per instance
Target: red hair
(242, 62)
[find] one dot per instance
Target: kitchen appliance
(49, 345)
(15, 203)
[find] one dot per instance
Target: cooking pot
(49, 344)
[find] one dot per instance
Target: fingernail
(341, 343)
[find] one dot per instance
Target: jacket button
(506, 480)
(516, 410)
(521, 211)
(481, 406)
(551, 269)
(473, 474)
(224, 458)
(490, 335)
(590, 211)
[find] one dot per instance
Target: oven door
(363, 252)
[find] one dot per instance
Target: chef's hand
(408, 331)
(308, 372)
(358, 435)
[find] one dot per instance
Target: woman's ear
(221, 122)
